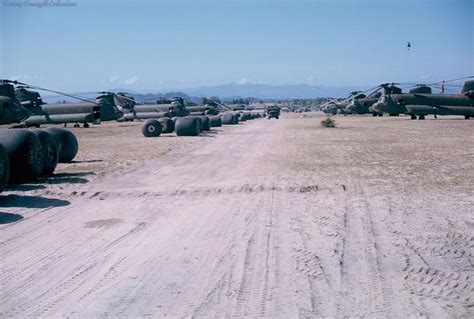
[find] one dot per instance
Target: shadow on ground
(71, 178)
(25, 187)
(8, 218)
(89, 161)
(31, 201)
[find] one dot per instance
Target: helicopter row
(26, 155)
(418, 102)
(27, 108)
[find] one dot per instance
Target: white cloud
(113, 79)
(132, 80)
(117, 80)
(425, 76)
(243, 81)
(185, 81)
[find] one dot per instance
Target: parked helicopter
(420, 101)
(11, 111)
(163, 108)
(139, 111)
(210, 108)
(102, 109)
(363, 105)
(29, 154)
(334, 106)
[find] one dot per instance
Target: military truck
(273, 112)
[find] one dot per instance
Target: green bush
(329, 122)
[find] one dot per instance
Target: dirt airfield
(270, 218)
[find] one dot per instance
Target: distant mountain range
(266, 91)
(234, 91)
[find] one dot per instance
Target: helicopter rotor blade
(52, 91)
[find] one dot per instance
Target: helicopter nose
(119, 111)
(378, 106)
(351, 107)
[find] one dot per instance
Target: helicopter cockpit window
(7, 90)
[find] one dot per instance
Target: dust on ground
(270, 218)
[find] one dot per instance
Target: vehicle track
(251, 222)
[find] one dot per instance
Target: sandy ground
(271, 218)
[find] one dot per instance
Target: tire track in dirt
(363, 291)
(314, 257)
(254, 282)
(257, 223)
(68, 281)
(438, 271)
(127, 301)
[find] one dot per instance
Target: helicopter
(163, 108)
(209, 108)
(140, 111)
(61, 113)
(29, 154)
(102, 109)
(363, 105)
(12, 111)
(335, 106)
(420, 101)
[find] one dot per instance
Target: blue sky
(152, 46)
